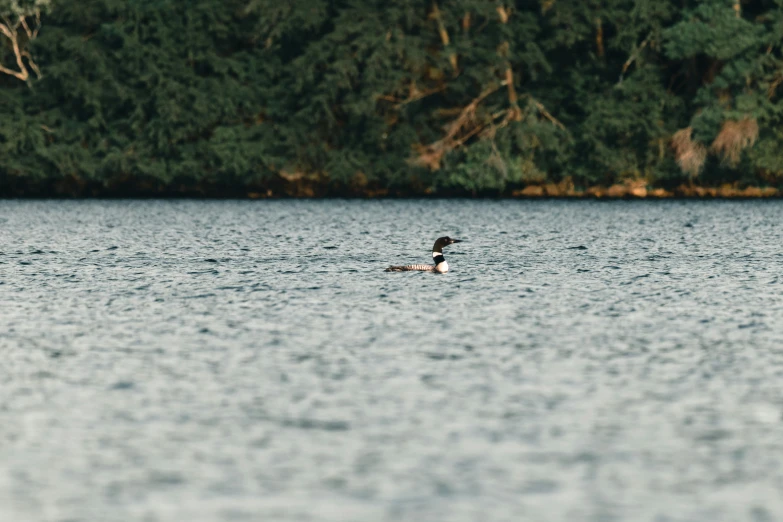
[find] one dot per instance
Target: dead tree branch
(444, 34)
(414, 94)
(469, 124)
(458, 131)
(634, 56)
(19, 34)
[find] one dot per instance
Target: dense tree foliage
(397, 96)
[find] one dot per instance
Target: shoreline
(551, 191)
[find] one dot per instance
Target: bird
(440, 266)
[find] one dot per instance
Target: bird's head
(444, 241)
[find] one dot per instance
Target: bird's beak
(456, 241)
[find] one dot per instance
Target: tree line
(393, 97)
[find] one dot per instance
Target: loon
(440, 266)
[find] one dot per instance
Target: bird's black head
(444, 241)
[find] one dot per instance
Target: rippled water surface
(211, 361)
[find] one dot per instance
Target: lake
(251, 360)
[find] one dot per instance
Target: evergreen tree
(369, 97)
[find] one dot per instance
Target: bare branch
(512, 93)
(444, 34)
(19, 75)
(634, 55)
(504, 13)
(461, 129)
(468, 124)
(503, 50)
(414, 94)
(33, 65)
(37, 23)
(599, 36)
(18, 54)
(773, 86)
(5, 28)
(547, 115)
(26, 28)
(7, 23)
(9, 28)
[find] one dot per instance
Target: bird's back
(411, 268)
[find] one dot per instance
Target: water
(211, 361)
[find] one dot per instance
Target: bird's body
(411, 268)
(440, 266)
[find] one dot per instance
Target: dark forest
(263, 98)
